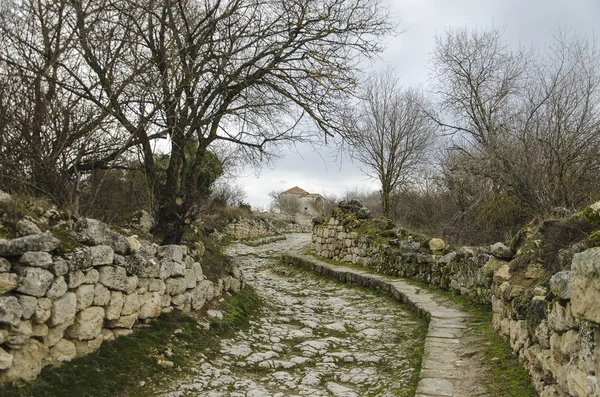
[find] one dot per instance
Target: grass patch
(118, 367)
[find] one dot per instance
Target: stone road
(314, 338)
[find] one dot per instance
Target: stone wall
(551, 319)
(263, 225)
(55, 307)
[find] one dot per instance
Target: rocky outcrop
(551, 318)
(56, 306)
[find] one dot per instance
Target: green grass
(119, 366)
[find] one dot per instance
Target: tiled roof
(296, 190)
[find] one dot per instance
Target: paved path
(449, 367)
(315, 337)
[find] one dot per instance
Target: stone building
(297, 200)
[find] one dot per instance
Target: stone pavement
(314, 338)
(445, 368)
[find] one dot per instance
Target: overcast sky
(525, 22)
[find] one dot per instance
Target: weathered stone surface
(6, 359)
(101, 295)
(85, 347)
(102, 255)
(197, 268)
(122, 322)
(25, 227)
(150, 305)
(4, 265)
(27, 362)
(28, 304)
(36, 258)
(93, 232)
(39, 330)
(34, 281)
(190, 278)
(141, 220)
(63, 309)
(59, 266)
(8, 282)
(92, 276)
(10, 310)
(36, 242)
(437, 244)
(75, 278)
(502, 274)
(88, 323)
(63, 351)
(113, 277)
(172, 252)
(85, 296)
(58, 288)
(132, 284)
(560, 284)
(501, 251)
(175, 286)
(131, 304)
(134, 244)
(43, 310)
(585, 285)
(115, 305)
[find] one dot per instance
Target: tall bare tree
(390, 133)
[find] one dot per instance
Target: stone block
(122, 322)
(58, 288)
(63, 351)
(115, 305)
(175, 286)
(27, 362)
(150, 305)
(43, 310)
(36, 259)
(101, 295)
(85, 296)
(585, 285)
(34, 281)
(113, 277)
(131, 304)
(93, 232)
(88, 324)
(102, 255)
(36, 242)
(75, 278)
(63, 309)
(6, 359)
(10, 310)
(190, 278)
(560, 284)
(28, 304)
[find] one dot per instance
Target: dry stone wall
(264, 225)
(552, 321)
(55, 307)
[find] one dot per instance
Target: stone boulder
(35, 242)
(113, 277)
(63, 309)
(25, 227)
(34, 281)
(10, 310)
(36, 259)
(88, 324)
(8, 282)
(560, 284)
(64, 350)
(585, 285)
(93, 232)
(437, 244)
(501, 251)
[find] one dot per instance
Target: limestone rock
(6, 359)
(81, 258)
(560, 284)
(76, 278)
(85, 296)
(88, 323)
(501, 251)
(10, 310)
(534, 270)
(190, 278)
(491, 266)
(36, 242)
(102, 255)
(585, 285)
(132, 284)
(141, 220)
(8, 282)
(63, 351)
(28, 304)
(36, 258)
(63, 309)
(25, 227)
(39, 330)
(59, 266)
(122, 322)
(134, 244)
(115, 305)
(91, 276)
(85, 347)
(27, 362)
(4, 265)
(58, 288)
(113, 277)
(437, 244)
(172, 252)
(175, 286)
(34, 281)
(502, 274)
(131, 304)
(150, 305)
(197, 268)
(93, 232)
(5, 197)
(43, 310)
(101, 295)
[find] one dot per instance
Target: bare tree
(390, 133)
(527, 124)
(249, 72)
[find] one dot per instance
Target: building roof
(296, 190)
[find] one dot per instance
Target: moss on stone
(66, 241)
(594, 239)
